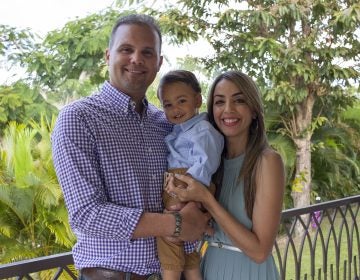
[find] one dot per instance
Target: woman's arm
(258, 242)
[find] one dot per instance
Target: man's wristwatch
(178, 223)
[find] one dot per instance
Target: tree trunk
(302, 183)
(301, 187)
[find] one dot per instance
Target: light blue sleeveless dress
(223, 264)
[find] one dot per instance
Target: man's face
(134, 59)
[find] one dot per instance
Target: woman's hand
(195, 191)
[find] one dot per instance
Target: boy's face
(180, 102)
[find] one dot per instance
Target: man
(109, 154)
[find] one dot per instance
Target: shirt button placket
(152, 175)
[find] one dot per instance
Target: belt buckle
(154, 276)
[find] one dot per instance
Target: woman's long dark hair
(257, 141)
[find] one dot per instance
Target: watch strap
(178, 223)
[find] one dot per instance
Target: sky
(42, 16)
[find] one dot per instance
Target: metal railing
(23, 269)
(328, 246)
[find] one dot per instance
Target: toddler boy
(195, 148)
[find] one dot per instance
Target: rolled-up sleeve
(208, 144)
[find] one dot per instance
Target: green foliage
(70, 90)
(291, 48)
(21, 103)
(178, 26)
(70, 62)
(352, 114)
(151, 93)
(66, 53)
(283, 144)
(33, 217)
(14, 41)
(302, 54)
(75, 51)
(336, 164)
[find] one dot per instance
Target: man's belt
(98, 273)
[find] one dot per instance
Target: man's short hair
(139, 19)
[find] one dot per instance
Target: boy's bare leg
(170, 275)
(193, 274)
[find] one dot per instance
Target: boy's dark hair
(182, 76)
(139, 19)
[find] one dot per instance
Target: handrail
(325, 228)
(25, 267)
(288, 213)
(341, 217)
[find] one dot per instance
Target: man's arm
(79, 173)
(194, 224)
(78, 170)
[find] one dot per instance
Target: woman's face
(232, 115)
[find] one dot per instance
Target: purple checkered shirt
(110, 163)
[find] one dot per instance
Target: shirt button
(150, 150)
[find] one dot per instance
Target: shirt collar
(119, 99)
(190, 123)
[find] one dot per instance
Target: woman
(251, 180)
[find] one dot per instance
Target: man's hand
(195, 223)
